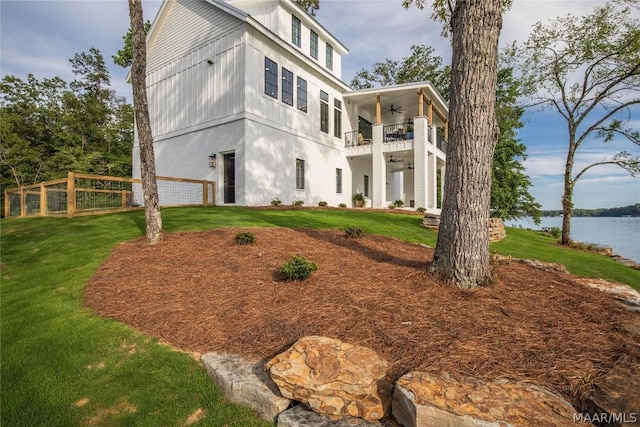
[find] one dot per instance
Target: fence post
(43, 199)
(205, 193)
(23, 202)
(71, 195)
(7, 204)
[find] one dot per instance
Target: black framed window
(296, 30)
(338, 180)
(270, 78)
(287, 86)
(366, 186)
(337, 118)
(302, 94)
(299, 174)
(313, 45)
(324, 111)
(329, 56)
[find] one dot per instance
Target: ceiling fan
(392, 160)
(410, 167)
(393, 109)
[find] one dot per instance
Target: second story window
(329, 56)
(313, 45)
(296, 30)
(324, 111)
(287, 86)
(302, 94)
(270, 78)
(337, 118)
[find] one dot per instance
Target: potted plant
(358, 200)
(410, 131)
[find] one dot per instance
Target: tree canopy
(49, 127)
(309, 6)
(587, 69)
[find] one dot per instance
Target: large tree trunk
(145, 139)
(462, 251)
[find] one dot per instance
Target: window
(314, 45)
(287, 86)
(299, 174)
(337, 118)
(324, 111)
(329, 56)
(270, 78)
(338, 180)
(366, 186)
(302, 94)
(295, 30)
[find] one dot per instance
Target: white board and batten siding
(186, 90)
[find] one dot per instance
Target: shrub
(421, 209)
(342, 205)
(276, 202)
(392, 206)
(555, 231)
(353, 232)
(358, 200)
(298, 268)
(298, 203)
(322, 203)
(399, 203)
(245, 238)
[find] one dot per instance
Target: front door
(229, 177)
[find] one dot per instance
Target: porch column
(420, 151)
(378, 169)
(432, 168)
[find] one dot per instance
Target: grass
(62, 365)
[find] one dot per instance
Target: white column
(378, 169)
(420, 150)
(432, 168)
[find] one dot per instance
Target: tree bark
(153, 218)
(462, 251)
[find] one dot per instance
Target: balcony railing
(441, 143)
(394, 133)
(355, 138)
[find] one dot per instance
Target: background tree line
(49, 127)
(631, 210)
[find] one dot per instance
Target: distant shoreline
(626, 211)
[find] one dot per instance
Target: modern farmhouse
(248, 93)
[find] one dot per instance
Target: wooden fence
(85, 194)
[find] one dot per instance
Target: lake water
(622, 234)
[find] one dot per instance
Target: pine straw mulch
(200, 292)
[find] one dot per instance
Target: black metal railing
(398, 132)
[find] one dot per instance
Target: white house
(257, 84)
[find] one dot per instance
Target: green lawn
(62, 365)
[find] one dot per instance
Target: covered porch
(398, 150)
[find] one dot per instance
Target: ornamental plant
(244, 238)
(297, 268)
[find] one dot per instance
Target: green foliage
(276, 202)
(353, 232)
(555, 231)
(631, 210)
(309, 6)
(244, 238)
(49, 127)
(322, 203)
(358, 197)
(399, 203)
(342, 205)
(420, 209)
(392, 206)
(298, 203)
(125, 55)
(298, 268)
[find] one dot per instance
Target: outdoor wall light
(212, 161)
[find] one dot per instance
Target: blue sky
(40, 36)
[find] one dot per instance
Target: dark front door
(230, 178)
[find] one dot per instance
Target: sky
(40, 36)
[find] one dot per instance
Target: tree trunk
(567, 197)
(153, 218)
(462, 251)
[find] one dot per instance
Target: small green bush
(298, 203)
(353, 232)
(421, 209)
(342, 205)
(322, 203)
(392, 206)
(399, 203)
(276, 202)
(298, 268)
(245, 238)
(555, 231)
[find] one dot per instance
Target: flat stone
(425, 400)
(299, 416)
(629, 297)
(617, 395)
(334, 378)
(245, 383)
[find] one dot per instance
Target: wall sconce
(212, 161)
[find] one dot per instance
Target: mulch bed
(201, 292)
